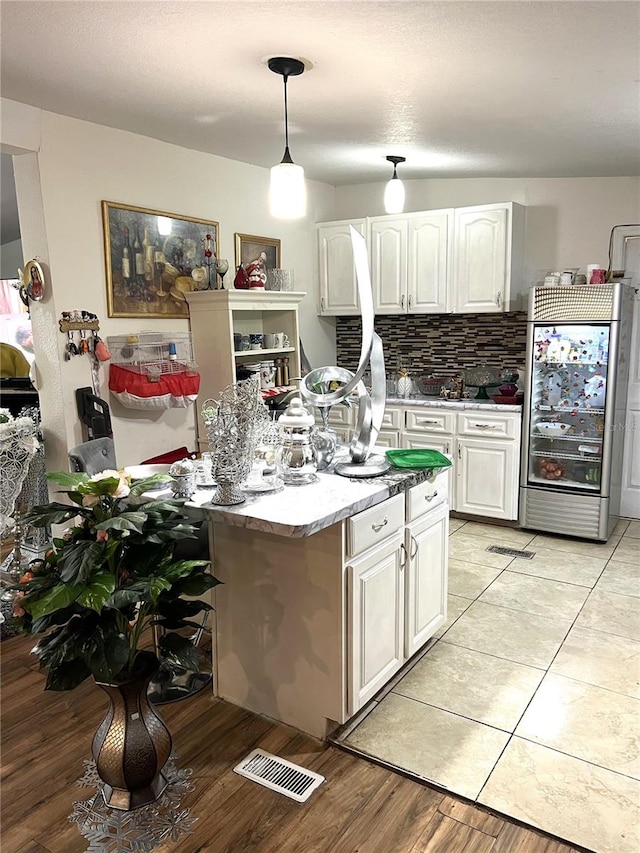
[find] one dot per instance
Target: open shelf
(246, 352)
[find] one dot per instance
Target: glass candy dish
(483, 378)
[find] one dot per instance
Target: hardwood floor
(360, 808)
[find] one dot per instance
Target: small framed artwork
(249, 248)
(32, 287)
(153, 258)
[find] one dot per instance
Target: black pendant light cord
(286, 158)
(286, 67)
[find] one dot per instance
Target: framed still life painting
(153, 258)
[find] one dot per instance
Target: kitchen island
(327, 590)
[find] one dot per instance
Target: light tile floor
(529, 701)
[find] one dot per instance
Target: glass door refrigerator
(577, 344)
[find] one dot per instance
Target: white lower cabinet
(376, 619)
(485, 447)
(427, 543)
(487, 477)
(396, 588)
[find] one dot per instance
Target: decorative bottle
(148, 250)
(126, 258)
(138, 255)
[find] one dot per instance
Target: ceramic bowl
(552, 430)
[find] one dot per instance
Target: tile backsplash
(444, 344)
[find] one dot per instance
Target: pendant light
(287, 190)
(394, 191)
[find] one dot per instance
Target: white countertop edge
(437, 403)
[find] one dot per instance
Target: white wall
(11, 259)
(568, 220)
(82, 163)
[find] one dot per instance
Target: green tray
(417, 459)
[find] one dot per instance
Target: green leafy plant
(109, 578)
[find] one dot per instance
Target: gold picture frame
(150, 256)
(248, 248)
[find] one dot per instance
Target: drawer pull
(485, 426)
(431, 496)
(377, 527)
(426, 421)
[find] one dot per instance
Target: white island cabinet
(326, 591)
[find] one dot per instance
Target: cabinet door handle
(377, 527)
(414, 541)
(410, 301)
(402, 301)
(322, 303)
(499, 298)
(486, 426)
(403, 559)
(459, 452)
(430, 497)
(446, 449)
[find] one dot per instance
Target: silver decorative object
(140, 830)
(315, 385)
(234, 422)
(19, 445)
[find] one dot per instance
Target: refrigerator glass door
(568, 400)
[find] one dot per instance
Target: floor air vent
(282, 776)
(511, 552)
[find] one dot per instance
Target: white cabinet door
(480, 259)
(426, 577)
(428, 263)
(388, 257)
(375, 603)
(487, 477)
(337, 275)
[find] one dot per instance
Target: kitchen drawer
(373, 525)
(425, 496)
(488, 424)
(430, 420)
(393, 419)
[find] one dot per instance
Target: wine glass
(222, 267)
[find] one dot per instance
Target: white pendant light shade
(287, 191)
(394, 196)
(394, 191)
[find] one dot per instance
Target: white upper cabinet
(463, 260)
(487, 269)
(336, 270)
(428, 264)
(409, 257)
(387, 237)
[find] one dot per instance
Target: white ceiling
(460, 89)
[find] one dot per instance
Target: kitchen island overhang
(305, 626)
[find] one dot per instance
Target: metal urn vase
(132, 744)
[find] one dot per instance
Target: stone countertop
(298, 511)
(441, 403)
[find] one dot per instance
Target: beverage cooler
(577, 345)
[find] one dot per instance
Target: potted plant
(94, 596)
